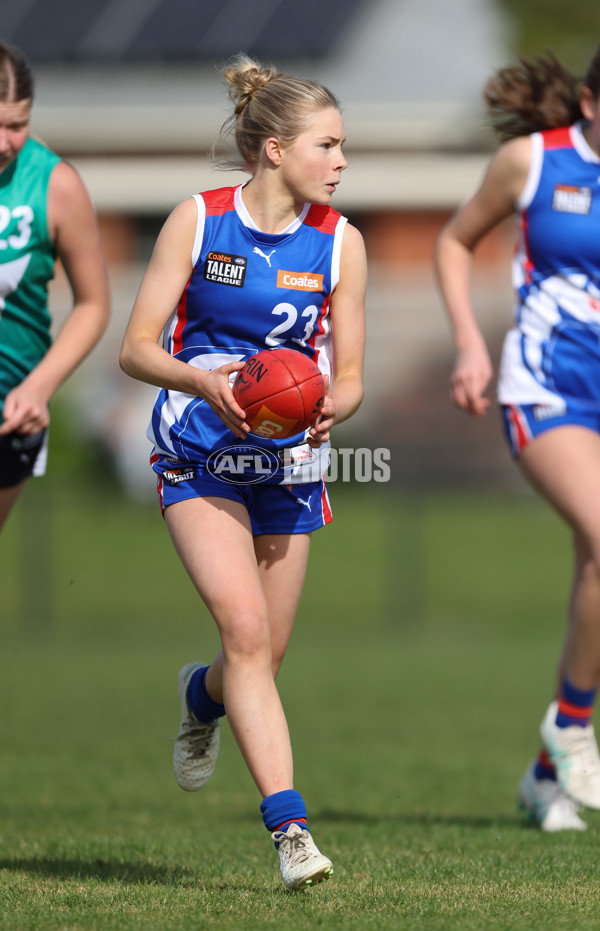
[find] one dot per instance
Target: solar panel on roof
(183, 31)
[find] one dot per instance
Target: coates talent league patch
(224, 268)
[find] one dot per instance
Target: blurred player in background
(547, 173)
(45, 214)
(215, 286)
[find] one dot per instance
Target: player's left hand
(320, 432)
(24, 413)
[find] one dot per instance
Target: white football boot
(546, 803)
(574, 753)
(300, 862)
(197, 743)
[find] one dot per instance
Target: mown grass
(419, 670)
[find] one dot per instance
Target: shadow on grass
(101, 869)
(423, 818)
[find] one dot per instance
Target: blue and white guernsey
(552, 353)
(248, 291)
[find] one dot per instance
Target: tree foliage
(571, 29)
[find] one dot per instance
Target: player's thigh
(283, 518)
(8, 497)
(282, 560)
(213, 539)
(563, 465)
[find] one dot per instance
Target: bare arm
(74, 230)
(494, 201)
(142, 356)
(348, 337)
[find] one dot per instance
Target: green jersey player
(45, 215)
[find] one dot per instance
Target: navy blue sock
(575, 706)
(199, 701)
(282, 809)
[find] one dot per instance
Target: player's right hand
(216, 390)
(24, 413)
(469, 380)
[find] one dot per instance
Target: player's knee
(248, 637)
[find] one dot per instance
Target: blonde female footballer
(215, 288)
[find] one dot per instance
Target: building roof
(177, 31)
(129, 89)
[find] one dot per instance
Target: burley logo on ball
(243, 465)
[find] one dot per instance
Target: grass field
(421, 665)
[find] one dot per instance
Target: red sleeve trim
(322, 217)
(557, 138)
(219, 201)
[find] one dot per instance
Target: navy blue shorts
(299, 508)
(523, 422)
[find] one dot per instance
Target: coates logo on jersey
(568, 198)
(224, 268)
(243, 465)
(299, 281)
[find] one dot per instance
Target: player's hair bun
(245, 77)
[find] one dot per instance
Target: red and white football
(281, 390)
